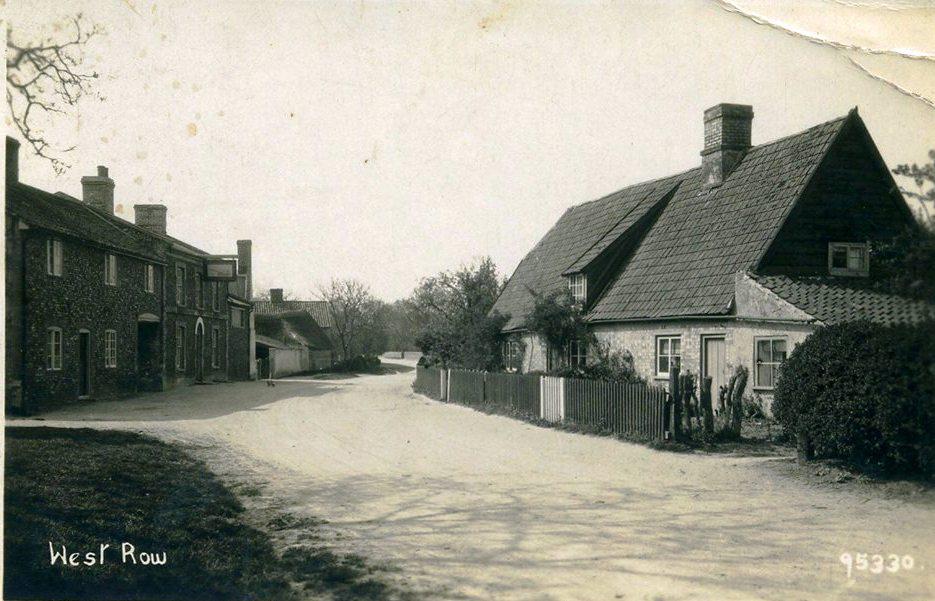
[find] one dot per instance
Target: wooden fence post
(706, 409)
(676, 402)
(736, 408)
(685, 390)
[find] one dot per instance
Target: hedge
(865, 394)
(359, 363)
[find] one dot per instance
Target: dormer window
(578, 285)
(848, 259)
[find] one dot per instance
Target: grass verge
(757, 438)
(85, 488)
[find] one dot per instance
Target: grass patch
(83, 488)
(758, 437)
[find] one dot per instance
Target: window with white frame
(668, 354)
(215, 347)
(180, 347)
(215, 297)
(512, 355)
(54, 256)
(150, 277)
(54, 351)
(577, 354)
(848, 258)
(110, 348)
(110, 269)
(770, 353)
(578, 285)
(180, 292)
(199, 292)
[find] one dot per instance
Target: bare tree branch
(44, 80)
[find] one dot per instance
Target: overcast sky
(388, 141)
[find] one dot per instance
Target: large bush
(865, 394)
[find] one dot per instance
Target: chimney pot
(101, 171)
(727, 135)
(12, 160)
(245, 265)
(151, 217)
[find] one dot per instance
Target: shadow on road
(197, 402)
(529, 532)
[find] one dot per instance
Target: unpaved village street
(469, 505)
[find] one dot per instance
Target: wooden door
(714, 364)
(84, 364)
(200, 354)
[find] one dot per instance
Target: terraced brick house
(95, 304)
(731, 263)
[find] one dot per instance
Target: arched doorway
(199, 350)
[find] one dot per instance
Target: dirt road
(478, 506)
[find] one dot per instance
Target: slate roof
(834, 300)
(293, 328)
(69, 216)
(317, 309)
(685, 263)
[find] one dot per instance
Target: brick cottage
(731, 263)
(97, 307)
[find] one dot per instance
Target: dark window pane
(839, 258)
(763, 351)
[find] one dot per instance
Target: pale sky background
(389, 141)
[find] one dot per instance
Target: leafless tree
(45, 79)
(924, 178)
(350, 304)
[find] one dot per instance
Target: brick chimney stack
(275, 295)
(12, 160)
(98, 190)
(245, 265)
(151, 217)
(727, 130)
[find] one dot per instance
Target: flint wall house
(97, 307)
(731, 263)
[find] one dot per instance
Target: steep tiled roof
(833, 300)
(317, 309)
(632, 214)
(579, 236)
(684, 264)
(293, 328)
(68, 216)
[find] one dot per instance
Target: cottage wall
(535, 353)
(639, 338)
(80, 300)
